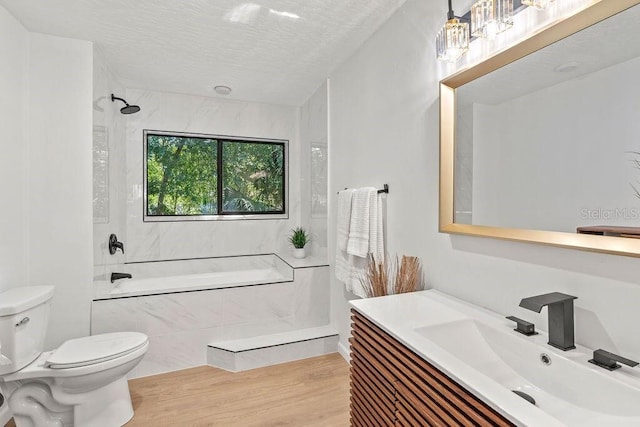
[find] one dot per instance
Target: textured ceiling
(274, 51)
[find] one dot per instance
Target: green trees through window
(191, 175)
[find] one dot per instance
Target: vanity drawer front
(423, 395)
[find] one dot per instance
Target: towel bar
(384, 190)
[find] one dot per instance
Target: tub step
(264, 350)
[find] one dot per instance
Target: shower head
(127, 109)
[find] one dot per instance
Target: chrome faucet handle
(607, 360)
(522, 326)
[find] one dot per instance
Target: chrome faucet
(560, 311)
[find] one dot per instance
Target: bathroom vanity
(392, 384)
(426, 358)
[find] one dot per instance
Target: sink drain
(545, 358)
(525, 396)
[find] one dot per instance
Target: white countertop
(401, 315)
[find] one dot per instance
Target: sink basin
(562, 384)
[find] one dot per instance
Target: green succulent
(299, 237)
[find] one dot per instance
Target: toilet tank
(24, 317)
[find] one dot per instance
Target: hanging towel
(344, 217)
(357, 268)
(343, 268)
(365, 236)
(359, 227)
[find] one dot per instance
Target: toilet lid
(95, 349)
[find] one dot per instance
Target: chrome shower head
(127, 109)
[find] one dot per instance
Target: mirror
(541, 142)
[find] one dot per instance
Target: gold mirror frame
(591, 14)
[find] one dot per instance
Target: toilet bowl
(81, 383)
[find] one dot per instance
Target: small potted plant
(299, 238)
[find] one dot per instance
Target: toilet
(81, 383)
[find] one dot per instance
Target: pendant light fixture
(491, 17)
(452, 41)
(537, 4)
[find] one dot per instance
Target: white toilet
(82, 383)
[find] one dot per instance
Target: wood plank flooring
(310, 392)
(306, 393)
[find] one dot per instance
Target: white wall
(578, 137)
(45, 172)
(189, 239)
(13, 145)
(13, 87)
(59, 186)
(383, 109)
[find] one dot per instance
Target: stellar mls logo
(610, 214)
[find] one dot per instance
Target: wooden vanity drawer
(398, 387)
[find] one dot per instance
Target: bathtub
(183, 306)
(162, 277)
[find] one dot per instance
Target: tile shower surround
(180, 325)
(147, 241)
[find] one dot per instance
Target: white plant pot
(299, 253)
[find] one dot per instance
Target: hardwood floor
(306, 393)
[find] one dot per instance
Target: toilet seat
(95, 349)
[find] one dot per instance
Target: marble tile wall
(181, 325)
(187, 239)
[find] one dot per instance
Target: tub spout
(118, 276)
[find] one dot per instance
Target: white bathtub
(162, 277)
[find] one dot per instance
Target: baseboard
(344, 352)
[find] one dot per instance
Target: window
(192, 176)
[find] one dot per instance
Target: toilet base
(43, 404)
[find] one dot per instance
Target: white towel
(343, 268)
(365, 236)
(357, 268)
(344, 217)
(359, 228)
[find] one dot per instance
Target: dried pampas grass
(392, 276)
(376, 278)
(408, 276)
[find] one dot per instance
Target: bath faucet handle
(608, 360)
(524, 327)
(115, 245)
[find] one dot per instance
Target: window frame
(284, 214)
